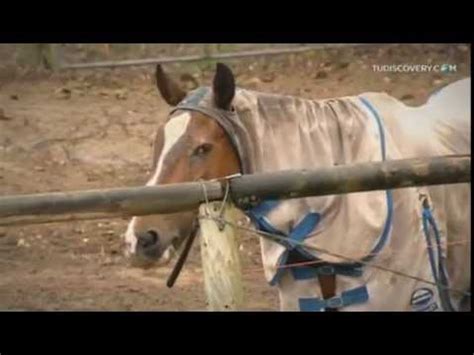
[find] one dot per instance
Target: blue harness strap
(297, 234)
(292, 240)
(311, 272)
(354, 296)
(426, 219)
(258, 215)
(382, 241)
(303, 229)
(438, 265)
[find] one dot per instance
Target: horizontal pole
(351, 178)
(200, 57)
(146, 200)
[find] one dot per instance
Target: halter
(225, 118)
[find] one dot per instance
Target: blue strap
(386, 229)
(296, 235)
(355, 296)
(426, 214)
(438, 267)
(258, 215)
(279, 272)
(382, 241)
(311, 272)
(265, 226)
(379, 124)
(263, 208)
(303, 229)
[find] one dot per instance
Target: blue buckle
(311, 304)
(335, 302)
(311, 272)
(354, 296)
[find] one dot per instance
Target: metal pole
(108, 203)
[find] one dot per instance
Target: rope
(221, 225)
(224, 200)
(204, 192)
(324, 251)
(314, 262)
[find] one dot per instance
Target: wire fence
(103, 55)
(195, 53)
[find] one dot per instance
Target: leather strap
(327, 281)
(328, 288)
(227, 121)
(184, 255)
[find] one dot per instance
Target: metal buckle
(326, 270)
(335, 302)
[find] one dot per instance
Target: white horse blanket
(383, 227)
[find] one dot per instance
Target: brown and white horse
(191, 146)
(188, 147)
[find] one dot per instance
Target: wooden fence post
(47, 56)
(220, 259)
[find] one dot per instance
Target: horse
(423, 234)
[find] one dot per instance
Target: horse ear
(169, 89)
(223, 87)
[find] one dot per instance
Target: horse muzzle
(148, 249)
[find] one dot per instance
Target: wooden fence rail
(134, 201)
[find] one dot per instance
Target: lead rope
(183, 256)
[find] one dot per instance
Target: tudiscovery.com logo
(415, 68)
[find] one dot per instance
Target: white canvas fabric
(282, 132)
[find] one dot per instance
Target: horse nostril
(147, 239)
(153, 236)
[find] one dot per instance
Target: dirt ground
(93, 129)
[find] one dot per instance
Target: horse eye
(202, 149)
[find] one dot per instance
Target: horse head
(189, 146)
